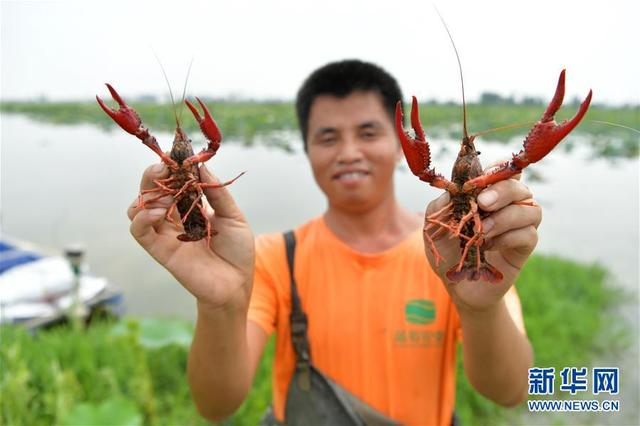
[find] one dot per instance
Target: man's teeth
(351, 175)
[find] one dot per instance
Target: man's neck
(373, 230)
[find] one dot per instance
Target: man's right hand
(219, 274)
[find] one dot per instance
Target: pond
(63, 184)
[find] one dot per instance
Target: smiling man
(374, 324)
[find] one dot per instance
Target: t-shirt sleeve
(263, 307)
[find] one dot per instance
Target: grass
(243, 121)
(261, 122)
(570, 317)
(606, 140)
(133, 371)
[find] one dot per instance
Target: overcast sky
(264, 49)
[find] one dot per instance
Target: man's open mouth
(350, 175)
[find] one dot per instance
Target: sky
(67, 50)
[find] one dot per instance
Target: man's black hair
(342, 78)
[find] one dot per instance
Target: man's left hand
(510, 233)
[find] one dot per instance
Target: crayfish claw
(546, 134)
(110, 112)
(126, 117)
(207, 124)
(194, 111)
(568, 125)
(116, 96)
(556, 102)
(415, 120)
(415, 150)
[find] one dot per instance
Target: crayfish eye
(477, 152)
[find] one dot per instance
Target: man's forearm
(496, 354)
(218, 368)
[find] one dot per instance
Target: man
(381, 322)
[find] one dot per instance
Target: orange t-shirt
(381, 325)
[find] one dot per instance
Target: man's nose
(349, 151)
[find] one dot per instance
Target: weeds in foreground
(132, 372)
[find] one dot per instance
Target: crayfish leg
(219, 185)
(170, 213)
(432, 246)
(431, 221)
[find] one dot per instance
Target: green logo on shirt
(420, 311)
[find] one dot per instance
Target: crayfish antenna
(464, 103)
(166, 78)
(184, 90)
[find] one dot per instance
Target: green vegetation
(442, 120)
(249, 122)
(570, 317)
(133, 371)
(260, 122)
(128, 373)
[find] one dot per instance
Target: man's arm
(225, 349)
(223, 359)
(496, 351)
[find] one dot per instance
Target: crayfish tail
(486, 272)
(456, 276)
(186, 237)
(490, 274)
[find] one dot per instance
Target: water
(62, 184)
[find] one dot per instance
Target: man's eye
(327, 141)
(369, 135)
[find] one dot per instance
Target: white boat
(38, 289)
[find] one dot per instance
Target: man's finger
(142, 226)
(164, 202)
(220, 199)
(502, 194)
(516, 245)
(438, 204)
(156, 171)
(511, 217)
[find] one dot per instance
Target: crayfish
(184, 182)
(462, 217)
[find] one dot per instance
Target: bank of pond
(132, 371)
(611, 131)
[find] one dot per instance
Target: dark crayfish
(183, 182)
(462, 217)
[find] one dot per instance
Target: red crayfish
(461, 216)
(183, 182)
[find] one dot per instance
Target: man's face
(353, 150)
